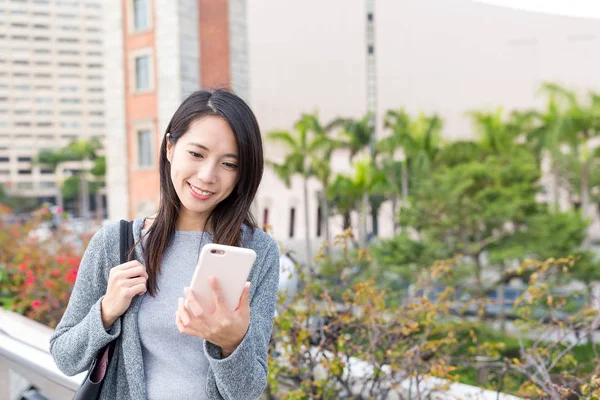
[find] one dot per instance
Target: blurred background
(428, 128)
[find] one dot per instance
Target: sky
(572, 8)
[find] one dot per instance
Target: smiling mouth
(200, 191)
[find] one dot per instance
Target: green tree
(303, 146)
(419, 139)
(84, 151)
(581, 124)
(367, 180)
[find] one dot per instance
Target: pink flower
(36, 304)
(23, 267)
(56, 272)
(30, 281)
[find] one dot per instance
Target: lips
(198, 193)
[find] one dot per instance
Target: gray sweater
(80, 333)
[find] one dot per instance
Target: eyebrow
(207, 149)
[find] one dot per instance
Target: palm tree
(320, 162)
(303, 146)
(581, 125)
(544, 133)
(419, 139)
(350, 191)
(357, 136)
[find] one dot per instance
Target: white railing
(24, 350)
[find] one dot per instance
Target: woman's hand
(223, 327)
(124, 282)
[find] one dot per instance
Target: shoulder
(259, 241)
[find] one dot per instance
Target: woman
(211, 165)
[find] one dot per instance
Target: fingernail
(186, 290)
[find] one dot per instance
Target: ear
(170, 146)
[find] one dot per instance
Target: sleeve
(80, 334)
(243, 375)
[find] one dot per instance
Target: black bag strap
(126, 240)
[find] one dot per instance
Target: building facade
(157, 53)
(291, 57)
(51, 87)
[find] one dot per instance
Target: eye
(195, 155)
(230, 165)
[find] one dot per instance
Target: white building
(51, 86)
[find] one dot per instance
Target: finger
(135, 281)
(128, 265)
(136, 290)
(183, 313)
(217, 294)
(245, 297)
(178, 322)
(140, 270)
(192, 304)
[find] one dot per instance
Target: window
(22, 123)
(70, 112)
(95, 101)
(70, 125)
(24, 172)
(69, 64)
(69, 76)
(142, 73)
(70, 101)
(68, 88)
(94, 41)
(292, 221)
(95, 90)
(67, 40)
(44, 124)
(22, 112)
(42, 63)
(46, 171)
(96, 113)
(42, 51)
(42, 39)
(47, 185)
(265, 219)
(95, 65)
(144, 140)
(141, 15)
(43, 87)
(69, 52)
(94, 77)
(25, 185)
(24, 159)
(43, 112)
(21, 62)
(319, 221)
(43, 75)
(4, 159)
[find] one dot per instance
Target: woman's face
(204, 166)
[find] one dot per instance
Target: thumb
(245, 297)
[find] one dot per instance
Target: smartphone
(231, 265)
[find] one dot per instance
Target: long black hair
(230, 214)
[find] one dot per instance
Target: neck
(191, 221)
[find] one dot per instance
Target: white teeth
(200, 192)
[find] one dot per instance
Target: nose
(207, 173)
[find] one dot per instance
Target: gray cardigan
(80, 334)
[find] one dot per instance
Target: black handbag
(92, 384)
